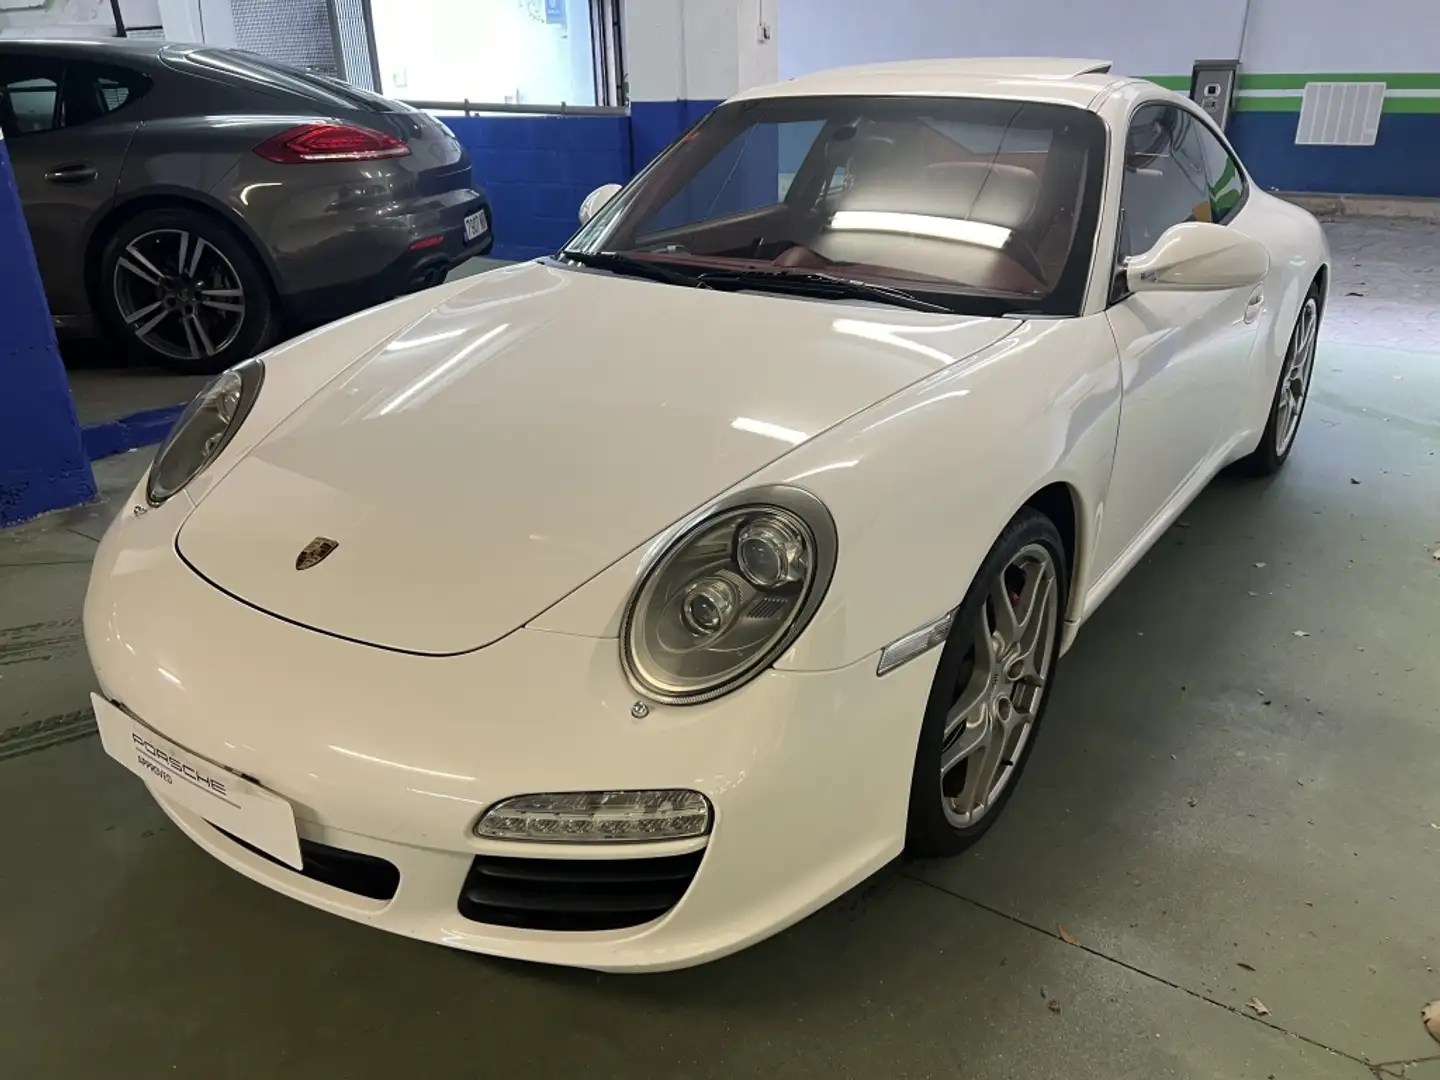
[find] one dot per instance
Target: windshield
(981, 205)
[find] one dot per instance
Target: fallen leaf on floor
(1182, 524)
(1257, 1006)
(1254, 594)
(1191, 801)
(1259, 566)
(1066, 936)
(1436, 554)
(1242, 964)
(1352, 292)
(1301, 633)
(1309, 903)
(1431, 1015)
(1053, 1005)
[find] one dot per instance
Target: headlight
(729, 595)
(204, 428)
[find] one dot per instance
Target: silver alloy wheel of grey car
(1300, 364)
(1000, 687)
(178, 294)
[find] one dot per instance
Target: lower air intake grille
(575, 894)
(363, 875)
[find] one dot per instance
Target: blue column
(43, 465)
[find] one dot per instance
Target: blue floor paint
(129, 432)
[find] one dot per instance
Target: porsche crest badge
(315, 552)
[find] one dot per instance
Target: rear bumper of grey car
(413, 247)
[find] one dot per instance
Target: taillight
(330, 142)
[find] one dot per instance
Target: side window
(1222, 174)
(96, 90)
(1165, 178)
(29, 96)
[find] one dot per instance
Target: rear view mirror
(595, 200)
(1196, 255)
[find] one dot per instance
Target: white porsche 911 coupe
(620, 608)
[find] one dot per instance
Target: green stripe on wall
(1394, 80)
(1291, 103)
(1269, 104)
(1412, 105)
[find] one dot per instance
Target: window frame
(1119, 289)
(79, 72)
(22, 62)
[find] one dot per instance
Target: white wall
(209, 21)
(1343, 36)
(72, 18)
(1143, 37)
(699, 50)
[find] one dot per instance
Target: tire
(201, 317)
(1287, 404)
(939, 822)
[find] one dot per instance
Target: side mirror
(1198, 256)
(595, 200)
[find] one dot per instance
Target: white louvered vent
(1340, 114)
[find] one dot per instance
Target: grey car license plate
(476, 225)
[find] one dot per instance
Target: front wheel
(184, 291)
(1291, 393)
(990, 690)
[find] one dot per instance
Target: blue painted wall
(43, 465)
(654, 125)
(1405, 159)
(538, 169)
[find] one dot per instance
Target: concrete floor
(1219, 809)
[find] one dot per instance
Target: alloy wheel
(1000, 686)
(178, 294)
(1295, 385)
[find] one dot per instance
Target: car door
(67, 134)
(1184, 355)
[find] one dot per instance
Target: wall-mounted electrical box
(1212, 87)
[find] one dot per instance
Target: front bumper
(395, 756)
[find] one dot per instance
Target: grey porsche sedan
(196, 202)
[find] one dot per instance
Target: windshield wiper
(626, 264)
(814, 283)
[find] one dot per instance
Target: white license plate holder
(476, 225)
(228, 801)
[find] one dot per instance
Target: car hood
(529, 431)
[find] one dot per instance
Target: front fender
(920, 485)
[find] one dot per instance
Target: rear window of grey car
(266, 75)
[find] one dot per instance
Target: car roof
(126, 47)
(1026, 78)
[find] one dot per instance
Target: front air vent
(575, 894)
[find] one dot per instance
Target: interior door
(67, 150)
(1185, 356)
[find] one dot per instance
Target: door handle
(79, 173)
(1253, 306)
